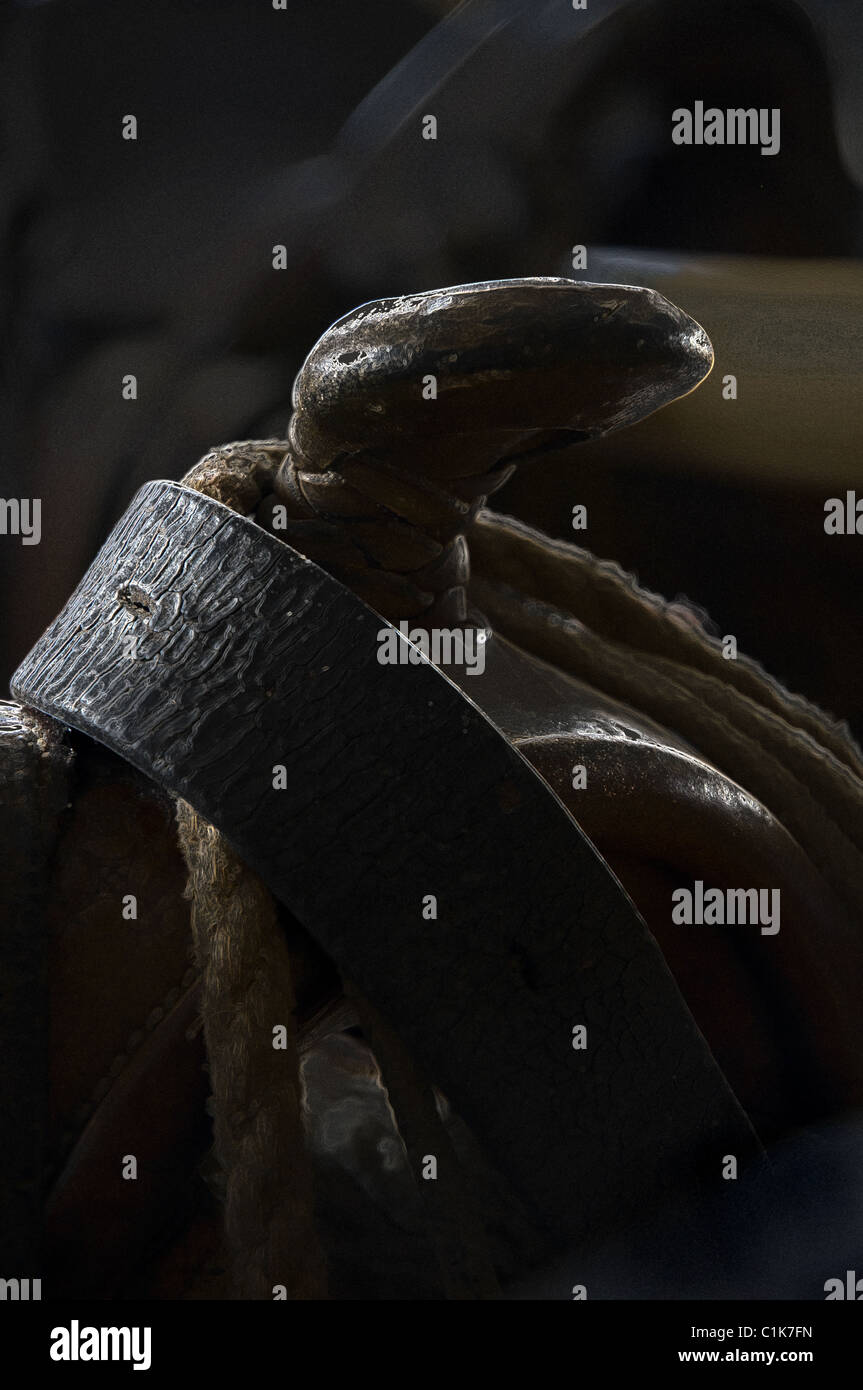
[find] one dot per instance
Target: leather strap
(206, 652)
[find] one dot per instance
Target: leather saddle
(559, 926)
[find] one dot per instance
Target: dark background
(303, 127)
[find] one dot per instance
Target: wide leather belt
(209, 654)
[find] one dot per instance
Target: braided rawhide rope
(381, 482)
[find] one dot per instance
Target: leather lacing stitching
(395, 538)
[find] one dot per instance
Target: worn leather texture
(247, 656)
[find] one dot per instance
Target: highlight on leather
(447, 898)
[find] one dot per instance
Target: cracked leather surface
(249, 656)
